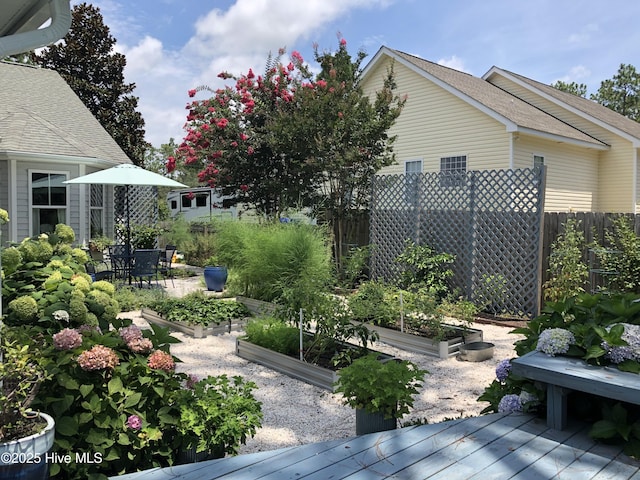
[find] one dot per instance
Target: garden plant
(112, 389)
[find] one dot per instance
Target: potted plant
(381, 391)
(25, 436)
(217, 414)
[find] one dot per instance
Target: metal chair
(120, 260)
(166, 264)
(145, 265)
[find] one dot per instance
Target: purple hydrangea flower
(67, 339)
(631, 351)
(502, 370)
(134, 422)
(555, 341)
(510, 403)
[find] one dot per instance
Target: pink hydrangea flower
(160, 360)
(134, 422)
(67, 339)
(140, 345)
(98, 358)
(130, 333)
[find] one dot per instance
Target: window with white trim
(48, 200)
(538, 160)
(453, 171)
(96, 211)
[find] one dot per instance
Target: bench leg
(557, 407)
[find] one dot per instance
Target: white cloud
(452, 62)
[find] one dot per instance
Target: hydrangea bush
(602, 330)
(112, 389)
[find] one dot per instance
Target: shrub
(423, 267)
(567, 271)
(196, 308)
(622, 256)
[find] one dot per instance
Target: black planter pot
(373, 422)
(215, 278)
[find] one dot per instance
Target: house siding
(435, 123)
(616, 170)
(572, 173)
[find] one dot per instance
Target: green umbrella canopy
(126, 174)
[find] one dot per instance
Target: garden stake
(401, 314)
(301, 351)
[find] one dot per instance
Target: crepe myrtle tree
(232, 138)
(351, 143)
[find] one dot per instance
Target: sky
(172, 46)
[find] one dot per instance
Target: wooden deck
(487, 447)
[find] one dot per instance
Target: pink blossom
(343, 42)
(130, 333)
(222, 123)
(321, 83)
(244, 188)
(171, 164)
(295, 55)
(134, 422)
(192, 93)
(250, 74)
(250, 150)
(244, 136)
(98, 358)
(160, 360)
(67, 339)
(140, 345)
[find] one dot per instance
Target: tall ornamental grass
(268, 260)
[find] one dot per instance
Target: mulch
(488, 319)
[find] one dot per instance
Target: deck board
(498, 446)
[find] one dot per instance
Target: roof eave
(54, 158)
(559, 138)
(498, 71)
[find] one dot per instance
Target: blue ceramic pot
(215, 278)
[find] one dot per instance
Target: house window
(538, 160)
(174, 204)
(97, 211)
(201, 200)
(186, 201)
(48, 201)
(453, 171)
(412, 169)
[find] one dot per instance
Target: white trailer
(199, 204)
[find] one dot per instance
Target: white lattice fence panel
(143, 208)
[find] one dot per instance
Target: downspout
(27, 41)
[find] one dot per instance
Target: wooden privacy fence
(594, 226)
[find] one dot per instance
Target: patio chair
(120, 260)
(166, 264)
(98, 267)
(145, 265)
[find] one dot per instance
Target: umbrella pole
(128, 249)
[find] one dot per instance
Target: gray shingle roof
(589, 107)
(505, 105)
(40, 114)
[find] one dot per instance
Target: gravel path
(296, 413)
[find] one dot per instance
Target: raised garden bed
(257, 307)
(293, 367)
(428, 346)
(194, 330)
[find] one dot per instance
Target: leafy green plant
(621, 256)
(423, 267)
(490, 293)
(274, 334)
(380, 386)
(196, 308)
(375, 302)
(567, 271)
(218, 414)
(21, 376)
(619, 422)
(145, 236)
(355, 266)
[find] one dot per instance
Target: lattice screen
(490, 220)
(143, 207)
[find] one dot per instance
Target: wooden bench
(565, 374)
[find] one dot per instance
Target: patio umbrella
(126, 175)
